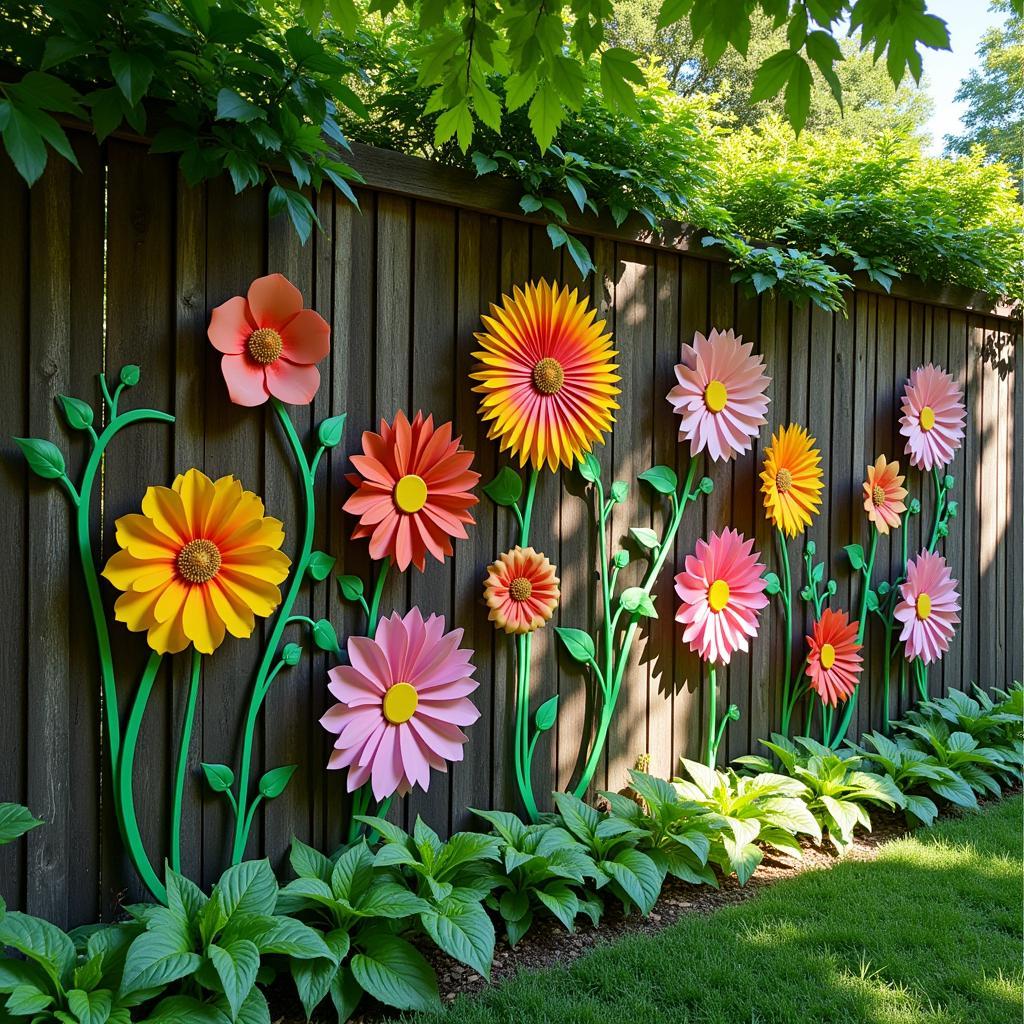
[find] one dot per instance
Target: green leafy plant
(15, 821)
(362, 912)
(838, 791)
(913, 770)
(543, 869)
(747, 810)
(611, 843)
(451, 878)
(677, 833)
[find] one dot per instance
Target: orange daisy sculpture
(791, 480)
(413, 491)
(834, 661)
(201, 560)
(546, 374)
(883, 495)
(521, 590)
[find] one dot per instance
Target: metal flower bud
(943, 530)
(811, 548)
(948, 481)
(952, 509)
(831, 588)
(707, 485)
(915, 507)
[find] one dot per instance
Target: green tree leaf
(15, 821)
(133, 72)
(231, 107)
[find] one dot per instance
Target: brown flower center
(198, 561)
(877, 496)
(548, 376)
(264, 345)
(520, 588)
(783, 480)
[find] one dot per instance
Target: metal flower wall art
(548, 382)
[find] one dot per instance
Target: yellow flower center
(715, 396)
(827, 656)
(520, 588)
(924, 606)
(400, 703)
(718, 595)
(877, 496)
(264, 345)
(198, 561)
(927, 418)
(410, 493)
(548, 376)
(783, 480)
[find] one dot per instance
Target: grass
(928, 932)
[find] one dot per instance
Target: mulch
(547, 944)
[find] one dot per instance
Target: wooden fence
(123, 263)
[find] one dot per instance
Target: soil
(547, 943)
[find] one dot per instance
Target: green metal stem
(531, 493)
(940, 509)
(373, 614)
(243, 815)
(186, 742)
(621, 660)
(851, 704)
(125, 792)
(886, 676)
(712, 744)
(788, 704)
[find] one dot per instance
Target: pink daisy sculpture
(722, 591)
(270, 343)
(720, 395)
(933, 417)
(928, 608)
(402, 699)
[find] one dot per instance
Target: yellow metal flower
(791, 480)
(546, 375)
(202, 559)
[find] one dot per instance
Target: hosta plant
(543, 868)
(362, 912)
(634, 877)
(748, 810)
(451, 878)
(912, 770)
(677, 833)
(979, 766)
(837, 789)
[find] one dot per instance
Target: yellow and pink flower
(722, 589)
(928, 607)
(884, 495)
(933, 417)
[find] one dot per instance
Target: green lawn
(930, 931)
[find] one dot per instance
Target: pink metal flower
(720, 395)
(933, 417)
(402, 696)
(722, 590)
(270, 343)
(928, 608)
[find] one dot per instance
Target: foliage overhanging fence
(122, 263)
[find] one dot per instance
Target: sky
(967, 21)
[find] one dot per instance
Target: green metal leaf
(43, 457)
(590, 468)
(320, 565)
(130, 375)
(506, 488)
(773, 585)
(579, 644)
(638, 601)
(219, 777)
(546, 714)
(646, 538)
(351, 587)
(855, 553)
(274, 782)
(619, 491)
(325, 637)
(330, 430)
(291, 654)
(661, 478)
(79, 414)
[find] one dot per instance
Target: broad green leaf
(236, 965)
(232, 107)
(133, 72)
(545, 114)
(156, 958)
(219, 777)
(320, 565)
(247, 888)
(464, 932)
(40, 941)
(23, 142)
(506, 488)
(278, 934)
(79, 414)
(273, 782)
(395, 973)
(855, 553)
(325, 637)
(637, 601)
(307, 862)
(645, 537)
(15, 821)
(661, 478)
(590, 468)
(546, 714)
(579, 644)
(43, 457)
(351, 587)
(330, 431)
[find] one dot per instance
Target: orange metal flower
(202, 559)
(791, 480)
(413, 491)
(546, 375)
(521, 590)
(834, 661)
(883, 495)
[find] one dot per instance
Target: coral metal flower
(402, 699)
(722, 590)
(792, 479)
(720, 395)
(413, 491)
(933, 417)
(834, 662)
(201, 560)
(928, 607)
(270, 343)
(521, 590)
(884, 495)
(546, 374)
